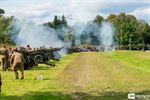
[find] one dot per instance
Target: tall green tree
(98, 19)
(64, 21)
(125, 26)
(5, 28)
(2, 11)
(143, 32)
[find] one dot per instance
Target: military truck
(34, 57)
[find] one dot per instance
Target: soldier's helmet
(28, 45)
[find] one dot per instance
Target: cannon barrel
(34, 57)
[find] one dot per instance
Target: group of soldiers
(15, 58)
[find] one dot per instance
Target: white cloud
(81, 11)
(84, 10)
(142, 13)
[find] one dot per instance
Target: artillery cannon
(81, 49)
(73, 50)
(34, 57)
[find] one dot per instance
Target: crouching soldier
(0, 83)
(4, 57)
(16, 61)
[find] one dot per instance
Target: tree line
(130, 32)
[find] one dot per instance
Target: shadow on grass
(46, 67)
(72, 96)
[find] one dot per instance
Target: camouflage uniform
(4, 57)
(16, 61)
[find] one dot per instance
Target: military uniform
(4, 58)
(0, 82)
(28, 48)
(16, 61)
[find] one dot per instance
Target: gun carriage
(34, 57)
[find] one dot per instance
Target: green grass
(136, 59)
(32, 89)
(83, 76)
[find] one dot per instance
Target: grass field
(83, 76)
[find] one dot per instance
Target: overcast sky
(40, 11)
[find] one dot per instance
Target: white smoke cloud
(34, 35)
(40, 35)
(107, 35)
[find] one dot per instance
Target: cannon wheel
(29, 65)
(49, 56)
(38, 59)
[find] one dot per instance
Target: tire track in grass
(80, 72)
(98, 73)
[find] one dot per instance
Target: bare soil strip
(95, 72)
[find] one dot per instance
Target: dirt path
(95, 72)
(82, 71)
(87, 72)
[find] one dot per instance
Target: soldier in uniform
(10, 51)
(16, 61)
(0, 82)
(28, 48)
(4, 57)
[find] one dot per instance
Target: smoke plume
(89, 33)
(35, 35)
(106, 36)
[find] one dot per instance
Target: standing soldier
(10, 51)
(0, 83)
(4, 57)
(28, 48)
(16, 61)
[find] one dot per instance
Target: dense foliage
(129, 30)
(5, 28)
(57, 22)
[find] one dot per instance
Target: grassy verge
(136, 59)
(83, 76)
(32, 89)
